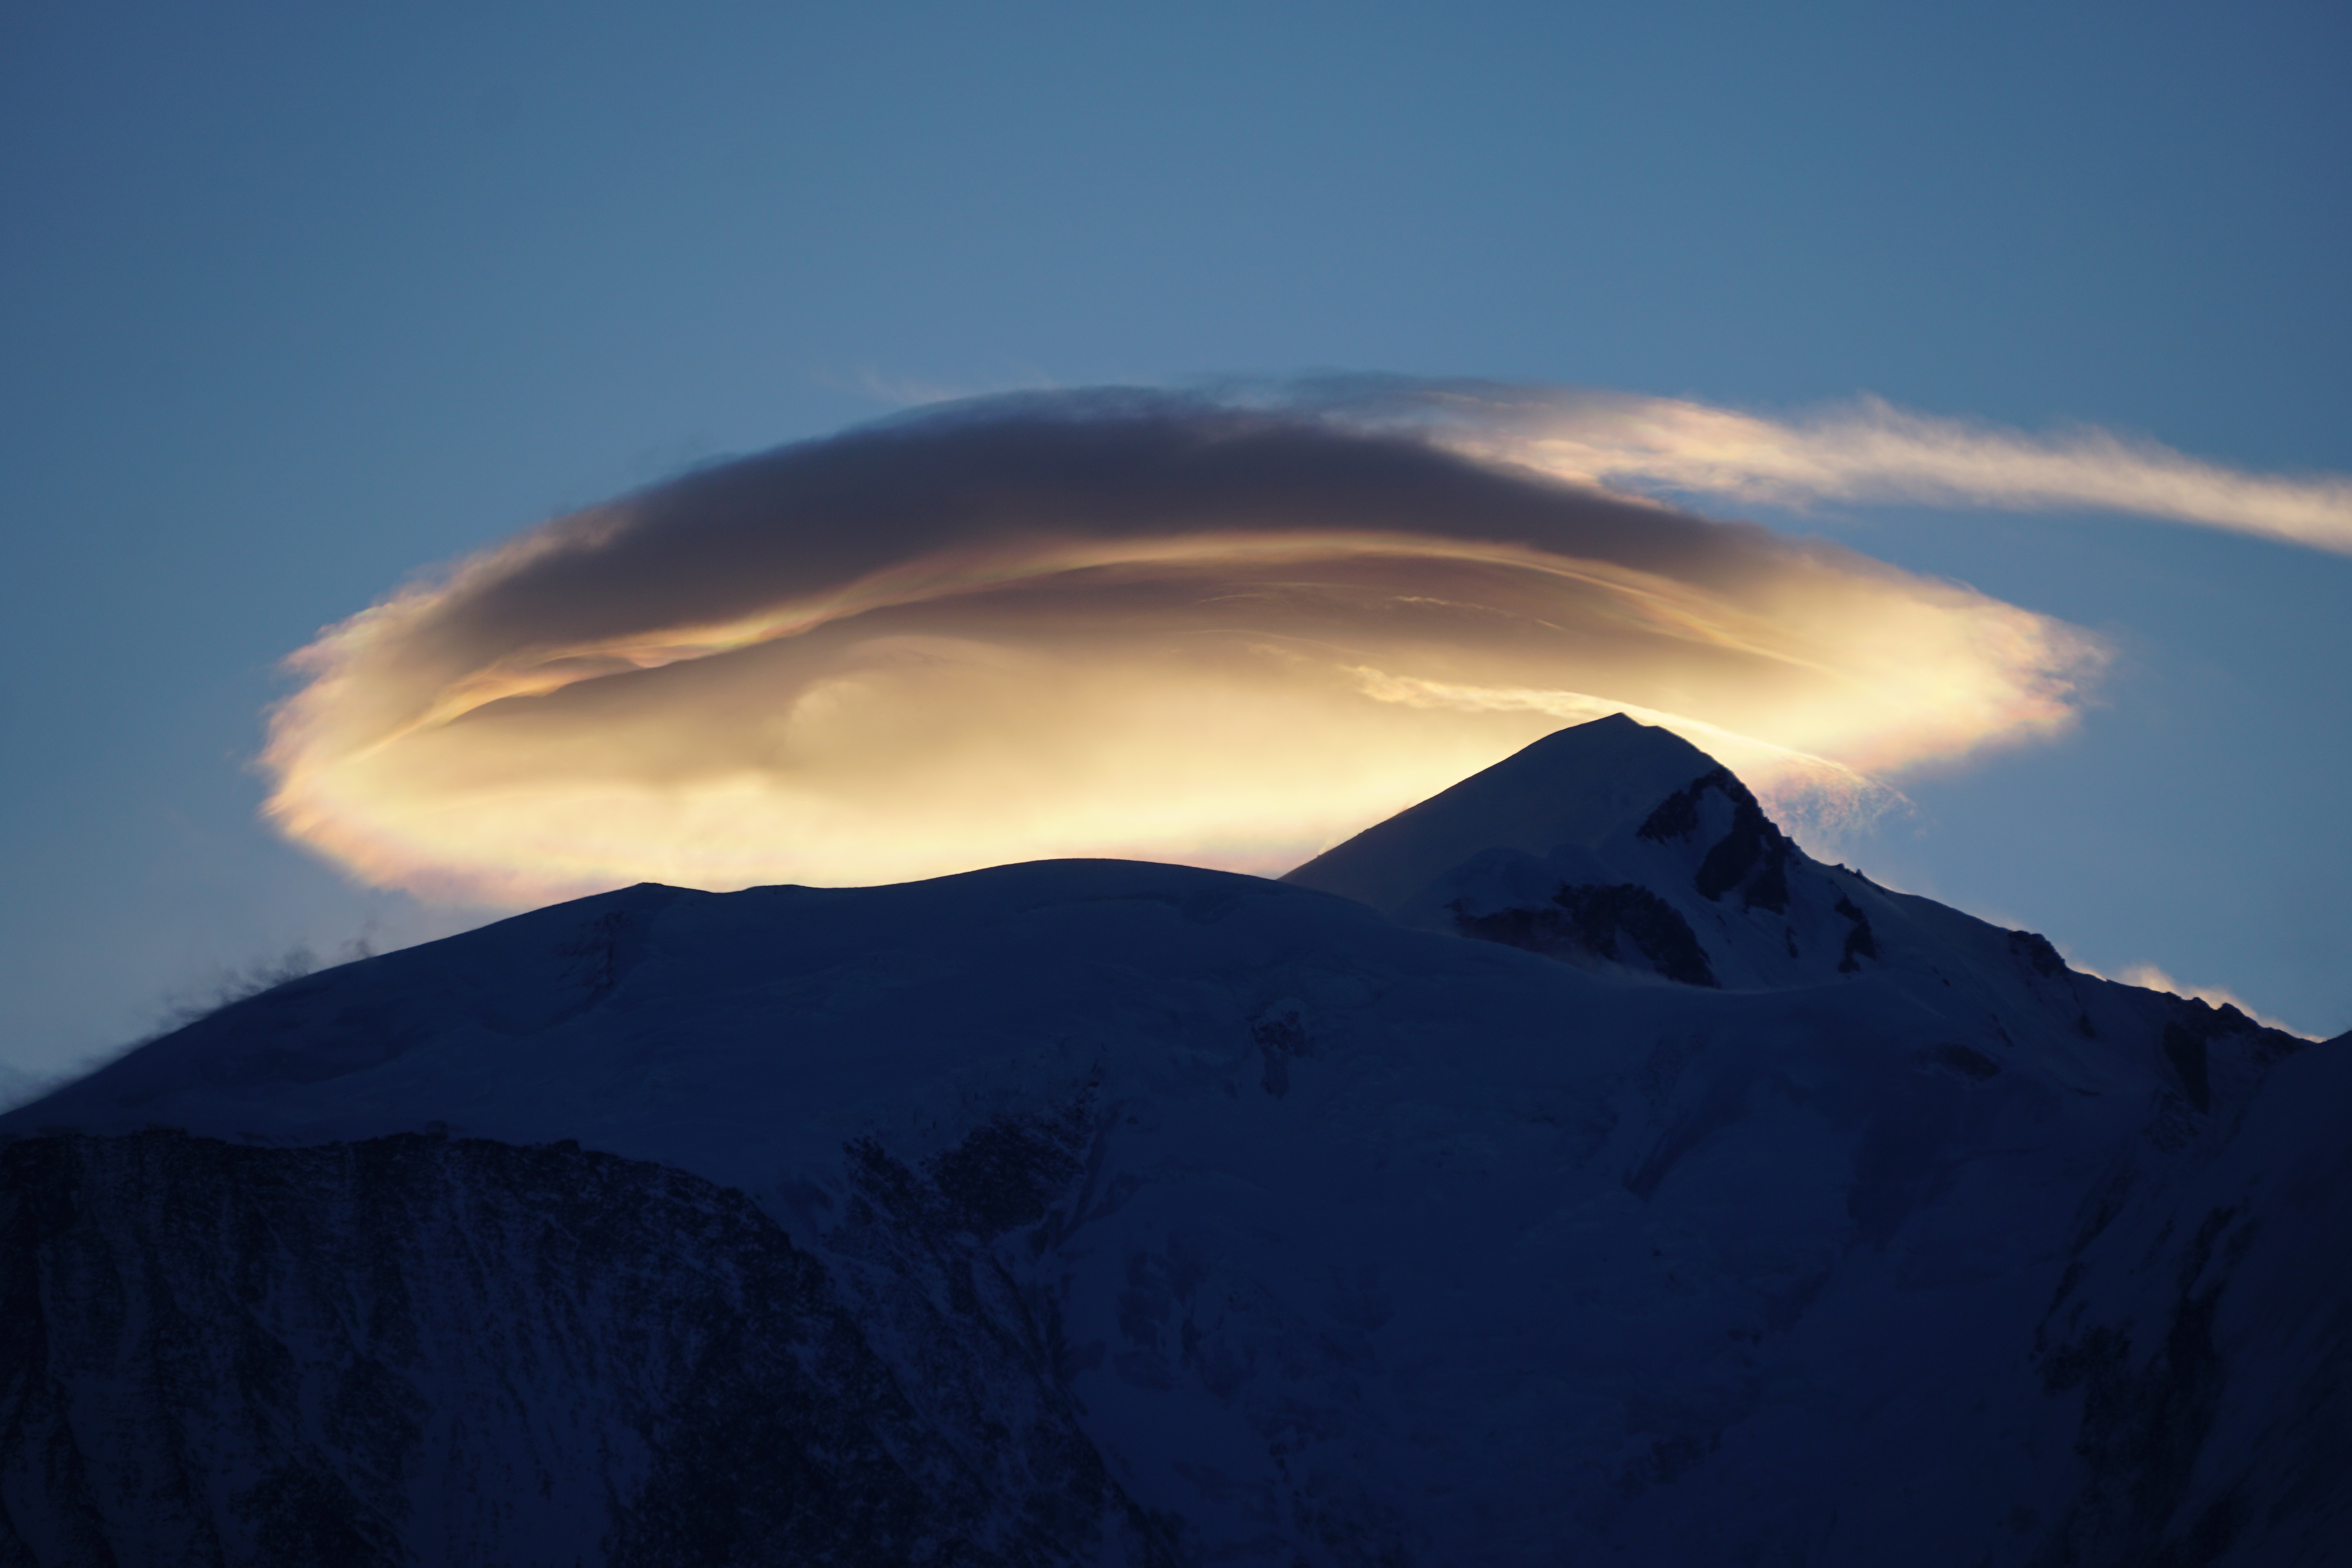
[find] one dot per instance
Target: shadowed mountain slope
(1608, 1203)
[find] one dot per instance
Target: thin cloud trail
(1868, 450)
(1191, 627)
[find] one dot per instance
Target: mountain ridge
(1316, 1233)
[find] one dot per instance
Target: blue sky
(299, 300)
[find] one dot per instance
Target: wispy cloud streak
(1868, 450)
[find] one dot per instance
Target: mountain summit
(1618, 847)
(1575, 786)
(1567, 1168)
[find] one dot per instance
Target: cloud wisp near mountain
(1568, 1167)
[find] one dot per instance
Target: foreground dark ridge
(1726, 1208)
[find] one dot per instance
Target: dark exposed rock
(2144, 1422)
(1280, 1039)
(1602, 915)
(1754, 853)
(1677, 815)
(1966, 1061)
(1004, 1174)
(2186, 1049)
(1753, 846)
(1594, 922)
(622, 1362)
(2034, 951)
(2192, 1027)
(1859, 942)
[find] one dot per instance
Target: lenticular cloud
(1114, 623)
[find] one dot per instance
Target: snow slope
(1139, 1213)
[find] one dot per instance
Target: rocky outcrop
(1625, 923)
(415, 1349)
(1752, 856)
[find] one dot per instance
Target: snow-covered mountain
(1568, 1170)
(1627, 851)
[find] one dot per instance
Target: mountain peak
(1575, 786)
(1000, 1217)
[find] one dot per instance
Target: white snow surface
(1394, 1246)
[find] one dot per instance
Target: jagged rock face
(1102, 1212)
(415, 1349)
(1625, 924)
(1750, 857)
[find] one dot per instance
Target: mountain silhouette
(1569, 1168)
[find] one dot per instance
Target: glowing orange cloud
(1097, 624)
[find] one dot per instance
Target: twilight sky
(301, 302)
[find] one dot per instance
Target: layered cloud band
(1226, 631)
